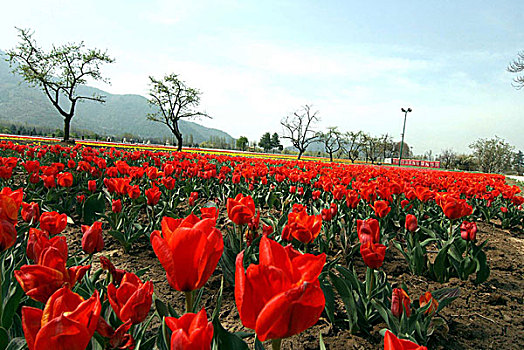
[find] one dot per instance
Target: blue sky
(357, 63)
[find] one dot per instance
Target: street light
(406, 111)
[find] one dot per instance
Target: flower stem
(189, 301)
(370, 281)
(275, 344)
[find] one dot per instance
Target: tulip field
(109, 248)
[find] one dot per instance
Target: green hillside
(25, 105)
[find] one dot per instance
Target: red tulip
(455, 208)
(391, 342)
(368, 231)
(40, 281)
(373, 254)
(427, 298)
(49, 181)
(53, 222)
(153, 195)
(191, 331)
(116, 274)
(241, 209)
(302, 227)
(468, 231)
(411, 223)
(192, 198)
(67, 322)
(9, 209)
(131, 301)
(92, 240)
(189, 250)
(381, 208)
(281, 296)
(209, 213)
(400, 302)
(7, 235)
(133, 192)
(30, 212)
(91, 185)
(504, 209)
(39, 240)
(65, 179)
(169, 183)
(116, 206)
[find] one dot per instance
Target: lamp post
(406, 111)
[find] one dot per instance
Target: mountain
(26, 105)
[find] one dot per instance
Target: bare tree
(58, 72)
(352, 143)
(371, 147)
(332, 140)
(447, 158)
(517, 66)
(388, 146)
(175, 101)
(298, 128)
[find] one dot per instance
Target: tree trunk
(67, 125)
(331, 157)
(300, 152)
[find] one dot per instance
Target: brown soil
(483, 317)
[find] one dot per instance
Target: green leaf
(227, 340)
(321, 341)
(161, 308)
(16, 344)
(445, 296)
(93, 207)
(11, 305)
(439, 266)
(482, 268)
(4, 338)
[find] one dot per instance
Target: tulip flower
(192, 198)
(92, 240)
(153, 195)
(189, 250)
(302, 227)
(131, 301)
(468, 231)
(169, 183)
(368, 231)
(116, 274)
(40, 281)
(241, 209)
(191, 331)
(116, 206)
(7, 235)
(65, 179)
(30, 212)
(209, 213)
(455, 208)
(9, 207)
(38, 240)
(281, 296)
(400, 302)
(133, 192)
(381, 208)
(91, 185)
(373, 254)
(67, 321)
(391, 342)
(53, 222)
(426, 299)
(411, 223)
